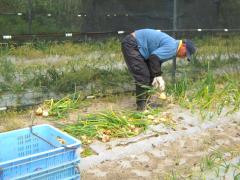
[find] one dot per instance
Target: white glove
(159, 83)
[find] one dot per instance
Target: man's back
(151, 41)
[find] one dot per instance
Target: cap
(191, 49)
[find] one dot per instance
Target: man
(144, 52)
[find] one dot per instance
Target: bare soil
(181, 157)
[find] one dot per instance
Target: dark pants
(142, 70)
(135, 62)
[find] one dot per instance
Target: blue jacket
(151, 41)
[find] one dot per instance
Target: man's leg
(138, 68)
(141, 97)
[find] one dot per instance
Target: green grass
(42, 49)
(90, 64)
(61, 79)
(207, 94)
(215, 44)
(87, 152)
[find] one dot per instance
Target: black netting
(55, 16)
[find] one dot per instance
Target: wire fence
(80, 36)
(42, 17)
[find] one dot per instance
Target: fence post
(174, 34)
(29, 16)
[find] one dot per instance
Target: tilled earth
(177, 158)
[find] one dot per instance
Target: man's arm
(154, 64)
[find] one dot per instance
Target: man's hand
(159, 83)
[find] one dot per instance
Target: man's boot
(141, 98)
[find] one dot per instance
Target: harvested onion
(163, 96)
(39, 111)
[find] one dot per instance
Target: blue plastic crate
(63, 172)
(29, 151)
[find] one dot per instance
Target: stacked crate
(38, 153)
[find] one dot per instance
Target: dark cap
(191, 49)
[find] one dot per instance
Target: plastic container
(41, 149)
(66, 172)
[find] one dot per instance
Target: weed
(87, 152)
